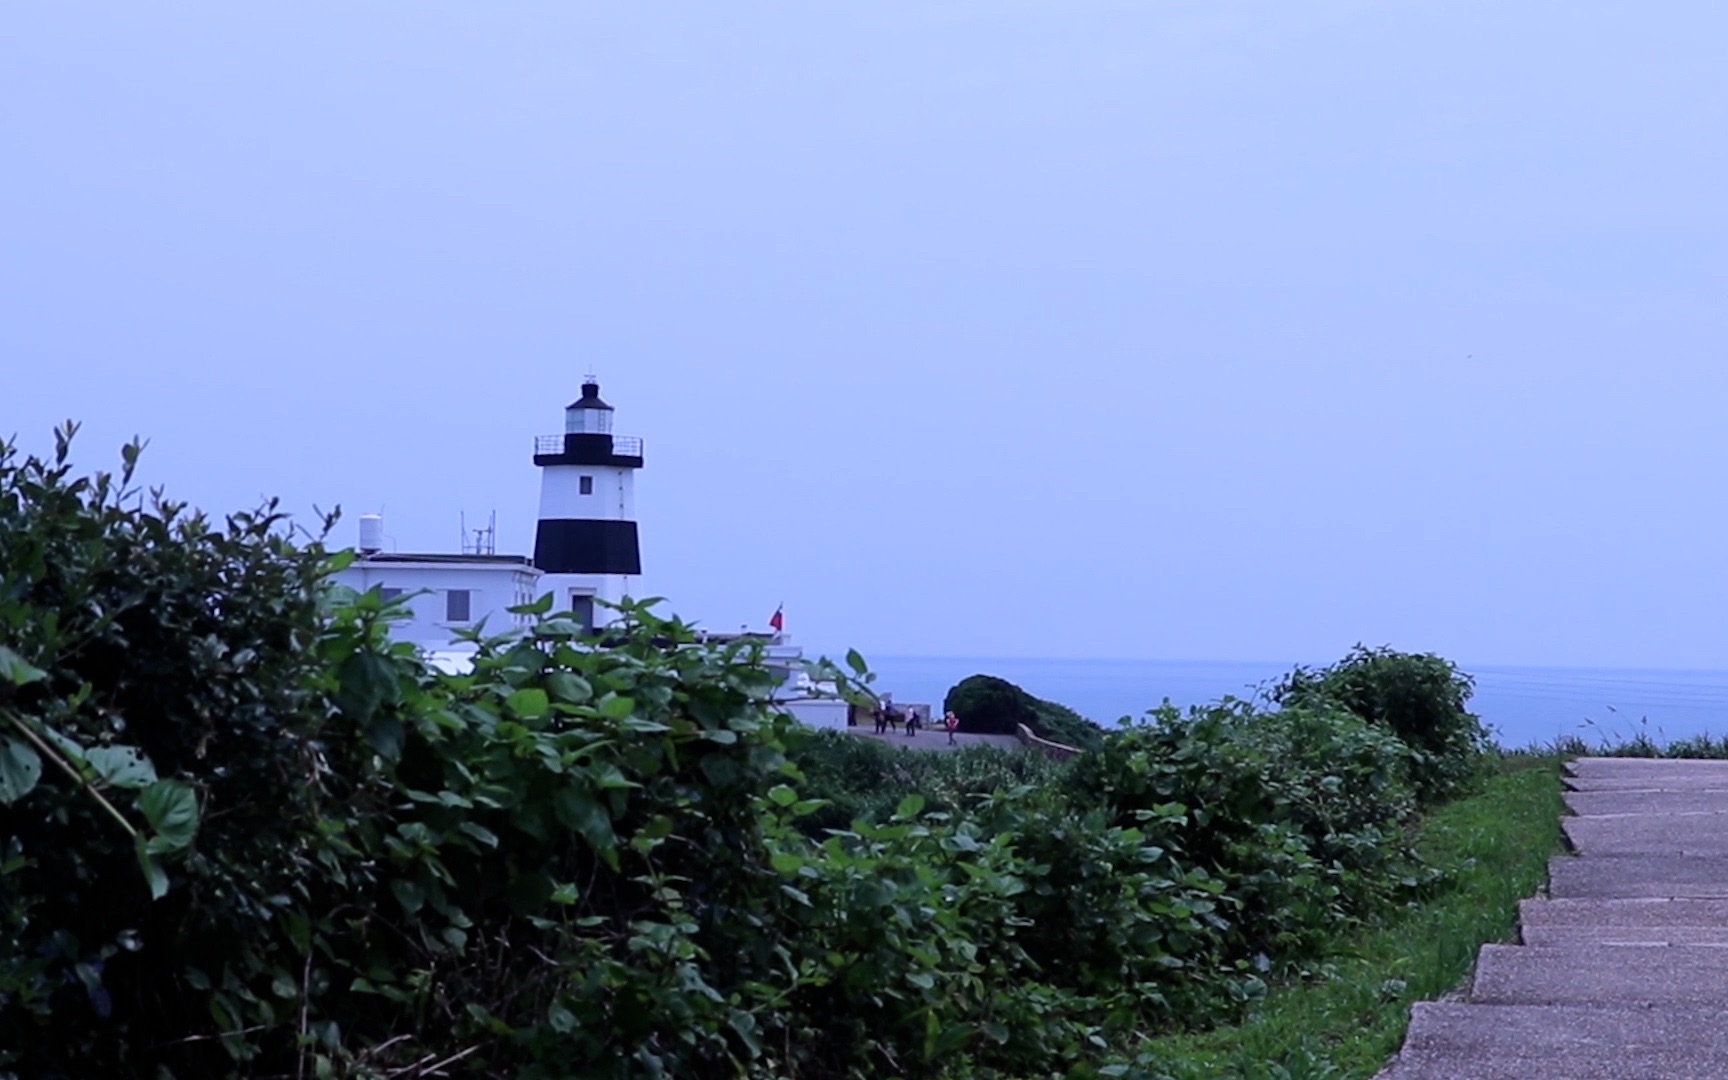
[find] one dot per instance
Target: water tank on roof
(371, 533)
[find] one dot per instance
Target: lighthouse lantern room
(586, 543)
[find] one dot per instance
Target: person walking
(952, 723)
(911, 722)
(881, 719)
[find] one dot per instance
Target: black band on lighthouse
(574, 546)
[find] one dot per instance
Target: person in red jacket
(952, 723)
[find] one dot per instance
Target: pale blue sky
(1191, 330)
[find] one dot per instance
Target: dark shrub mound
(1419, 697)
(988, 705)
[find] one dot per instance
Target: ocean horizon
(1521, 706)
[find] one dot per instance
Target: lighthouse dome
(588, 415)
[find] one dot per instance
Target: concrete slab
(1648, 834)
(1649, 921)
(1645, 801)
(1634, 876)
(1653, 782)
(1450, 1041)
(1621, 774)
(1662, 975)
(1620, 766)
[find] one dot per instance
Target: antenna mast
(485, 540)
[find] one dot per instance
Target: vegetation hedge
(989, 705)
(245, 835)
(1420, 697)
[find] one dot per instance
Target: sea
(1522, 707)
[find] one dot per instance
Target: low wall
(1053, 750)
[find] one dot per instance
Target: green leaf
(610, 778)
(121, 766)
(909, 807)
(567, 687)
(384, 733)
(745, 1025)
(855, 661)
(538, 607)
(16, 670)
(408, 894)
(590, 819)
(782, 795)
(613, 707)
(562, 1020)
(530, 703)
(153, 872)
(480, 832)
(20, 769)
(367, 680)
(171, 808)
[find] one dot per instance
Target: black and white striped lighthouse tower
(586, 543)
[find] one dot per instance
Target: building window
(456, 605)
(388, 595)
(587, 485)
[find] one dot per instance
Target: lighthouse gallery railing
(622, 445)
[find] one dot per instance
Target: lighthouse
(585, 543)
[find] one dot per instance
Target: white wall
(609, 587)
(819, 712)
(614, 497)
(493, 588)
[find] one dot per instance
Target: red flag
(777, 620)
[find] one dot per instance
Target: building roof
(444, 558)
(590, 398)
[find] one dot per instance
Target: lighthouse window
(456, 605)
(587, 485)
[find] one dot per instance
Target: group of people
(889, 716)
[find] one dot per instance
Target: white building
(447, 593)
(442, 593)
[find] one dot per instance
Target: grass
(1494, 847)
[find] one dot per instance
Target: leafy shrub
(574, 860)
(992, 706)
(864, 780)
(1419, 697)
(245, 835)
(1298, 814)
(157, 721)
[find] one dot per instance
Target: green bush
(245, 835)
(864, 780)
(161, 770)
(1297, 814)
(1419, 697)
(991, 706)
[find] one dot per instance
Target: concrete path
(1622, 973)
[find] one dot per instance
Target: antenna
(485, 540)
